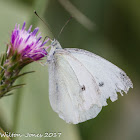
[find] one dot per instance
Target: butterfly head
(55, 44)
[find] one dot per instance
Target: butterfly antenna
(64, 26)
(43, 22)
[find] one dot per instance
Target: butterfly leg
(43, 64)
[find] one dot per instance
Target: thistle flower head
(26, 44)
(24, 48)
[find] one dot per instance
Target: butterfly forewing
(74, 94)
(110, 78)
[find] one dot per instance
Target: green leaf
(17, 86)
(3, 58)
(20, 75)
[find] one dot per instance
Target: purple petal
(17, 32)
(39, 35)
(38, 39)
(35, 31)
(23, 25)
(15, 26)
(12, 38)
(29, 30)
(18, 26)
(16, 43)
(43, 43)
(27, 38)
(21, 39)
(28, 48)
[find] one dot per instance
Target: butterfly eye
(54, 43)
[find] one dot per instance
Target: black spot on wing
(83, 88)
(122, 74)
(101, 84)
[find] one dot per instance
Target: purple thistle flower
(25, 47)
(27, 44)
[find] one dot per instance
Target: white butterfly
(80, 83)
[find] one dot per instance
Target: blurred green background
(115, 36)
